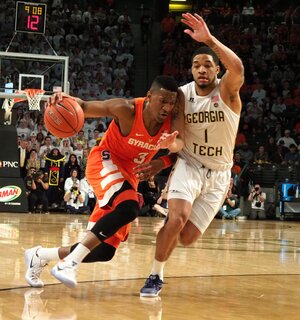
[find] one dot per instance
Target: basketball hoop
(34, 97)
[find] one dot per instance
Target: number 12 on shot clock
(30, 17)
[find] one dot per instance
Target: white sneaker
(65, 272)
(34, 267)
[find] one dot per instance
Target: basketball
(64, 118)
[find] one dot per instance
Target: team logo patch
(191, 99)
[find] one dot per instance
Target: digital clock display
(30, 17)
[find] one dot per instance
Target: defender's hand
(166, 140)
(200, 31)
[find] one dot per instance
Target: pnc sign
(8, 164)
(9, 193)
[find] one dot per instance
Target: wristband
(167, 161)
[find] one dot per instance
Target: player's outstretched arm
(234, 76)
(95, 109)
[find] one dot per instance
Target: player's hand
(146, 170)
(56, 97)
(200, 31)
(166, 140)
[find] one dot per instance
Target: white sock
(158, 268)
(78, 254)
(48, 254)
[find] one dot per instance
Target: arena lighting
(181, 5)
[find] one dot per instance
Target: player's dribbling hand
(200, 31)
(56, 97)
(166, 140)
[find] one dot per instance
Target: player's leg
(205, 207)
(124, 213)
(180, 198)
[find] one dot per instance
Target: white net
(34, 97)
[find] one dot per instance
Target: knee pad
(109, 224)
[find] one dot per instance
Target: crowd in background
(100, 44)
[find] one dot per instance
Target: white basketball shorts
(205, 189)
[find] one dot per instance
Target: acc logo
(9, 193)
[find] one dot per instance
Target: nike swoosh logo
(31, 265)
(102, 235)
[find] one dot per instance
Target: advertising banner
(12, 190)
(12, 195)
(9, 154)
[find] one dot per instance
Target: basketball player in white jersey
(201, 176)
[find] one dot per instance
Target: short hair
(206, 50)
(164, 82)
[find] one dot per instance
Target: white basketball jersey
(210, 129)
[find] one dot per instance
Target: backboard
(19, 71)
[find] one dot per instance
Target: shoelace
(36, 272)
(153, 281)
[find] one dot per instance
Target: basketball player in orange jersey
(140, 127)
(212, 113)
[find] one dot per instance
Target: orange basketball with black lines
(65, 118)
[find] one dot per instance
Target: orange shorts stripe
(105, 177)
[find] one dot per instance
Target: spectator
(55, 167)
(79, 151)
(80, 137)
(74, 199)
(287, 139)
(23, 131)
(45, 150)
(65, 148)
(92, 142)
(33, 161)
(278, 156)
(38, 195)
(245, 153)
(33, 143)
(23, 156)
(230, 208)
(257, 198)
(70, 165)
(261, 156)
(89, 195)
(83, 163)
(292, 157)
(161, 205)
(149, 190)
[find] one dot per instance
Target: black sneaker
(152, 287)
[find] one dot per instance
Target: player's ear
(218, 69)
(148, 96)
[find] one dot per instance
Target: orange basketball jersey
(112, 162)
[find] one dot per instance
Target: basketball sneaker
(65, 272)
(34, 266)
(152, 287)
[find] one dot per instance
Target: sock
(48, 254)
(158, 268)
(78, 254)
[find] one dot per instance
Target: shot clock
(30, 17)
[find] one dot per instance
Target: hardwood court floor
(238, 270)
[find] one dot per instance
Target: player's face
(162, 103)
(204, 70)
